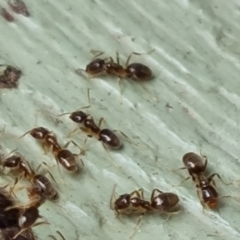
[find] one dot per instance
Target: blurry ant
(49, 142)
(134, 203)
(206, 188)
(18, 164)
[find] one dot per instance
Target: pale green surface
(196, 66)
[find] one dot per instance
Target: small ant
(61, 154)
(134, 203)
(206, 188)
(22, 167)
(88, 125)
(107, 66)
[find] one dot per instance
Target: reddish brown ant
(206, 188)
(18, 164)
(49, 142)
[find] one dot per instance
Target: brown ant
(87, 124)
(18, 164)
(206, 188)
(49, 141)
(107, 66)
(134, 203)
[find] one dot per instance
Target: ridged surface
(196, 67)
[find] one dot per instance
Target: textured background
(196, 67)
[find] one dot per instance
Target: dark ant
(9, 76)
(206, 188)
(18, 164)
(49, 143)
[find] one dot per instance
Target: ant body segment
(49, 142)
(206, 188)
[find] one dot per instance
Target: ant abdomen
(138, 71)
(46, 187)
(109, 138)
(165, 201)
(67, 160)
(78, 116)
(95, 67)
(194, 163)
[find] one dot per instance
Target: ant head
(12, 161)
(78, 116)
(39, 133)
(122, 202)
(96, 66)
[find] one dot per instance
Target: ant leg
(82, 151)
(110, 156)
(101, 120)
(170, 214)
(184, 180)
(73, 131)
(210, 178)
(153, 193)
(206, 159)
(137, 193)
(61, 235)
(137, 224)
(120, 88)
(182, 168)
(113, 197)
(96, 53)
(139, 54)
(34, 225)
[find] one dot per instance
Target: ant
(18, 164)
(49, 141)
(134, 203)
(206, 188)
(88, 125)
(107, 66)
(135, 71)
